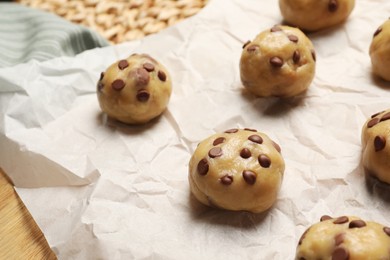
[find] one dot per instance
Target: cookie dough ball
(134, 90)
(237, 170)
(313, 15)
(344, 238)
(278, 62)
(380, 51)
(376, 146)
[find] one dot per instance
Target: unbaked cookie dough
(278, 62)
(344, 238)
(376, 146)
(314, 15)
(134, 90)
(380, 51)
(240, 169)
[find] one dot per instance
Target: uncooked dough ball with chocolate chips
(376, 146)
(278, 62)
(380, 51)
(237, 170)
(134, 90)
(313, 15)
(344, 238)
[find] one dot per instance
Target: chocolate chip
(215, 152)
(378, 31)
(325, 217)
(296, 56)
(231, 131)
(249, 177)
(256, 139)
(118, 84)
(141, 77)
(277, 147)
(333, 6)
(387, 230)
(276, 28)
(143, 95)
(276, 62)
(253, 48)
(101, 75)
(341, 220)
(376, 114)
(161, 75)
(219, 140)
(249, 129)
(357, 224)
(245, 153)
(148, 66)
(385, 117)
(293, 38)
(303, 236)
(339, 239)
(203, 167)
(340, 253)
(264, 161)
(246, 44)
(227, 180)
(100, 86)
(379, 143)
(373, 122)
(313, 54)
(123, 64)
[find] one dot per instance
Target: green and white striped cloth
(27, 34)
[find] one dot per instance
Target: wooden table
(20, 236)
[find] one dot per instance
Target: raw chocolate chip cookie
(380, 51)
(376, 146)
(134, 90)
(278, 62)
(237, 170)
(313, 15)
(344, 238)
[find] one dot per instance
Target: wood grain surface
(20, 236)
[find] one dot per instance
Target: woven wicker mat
(121, 20)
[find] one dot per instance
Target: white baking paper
(100, 189)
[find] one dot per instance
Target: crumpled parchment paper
(100, 189)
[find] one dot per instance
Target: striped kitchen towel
(27, 33)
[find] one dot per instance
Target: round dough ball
(237, 170)
(380, 51)
(134, 90)
(278, 62)
(376, 146)
(314, 15)
(344, 238)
